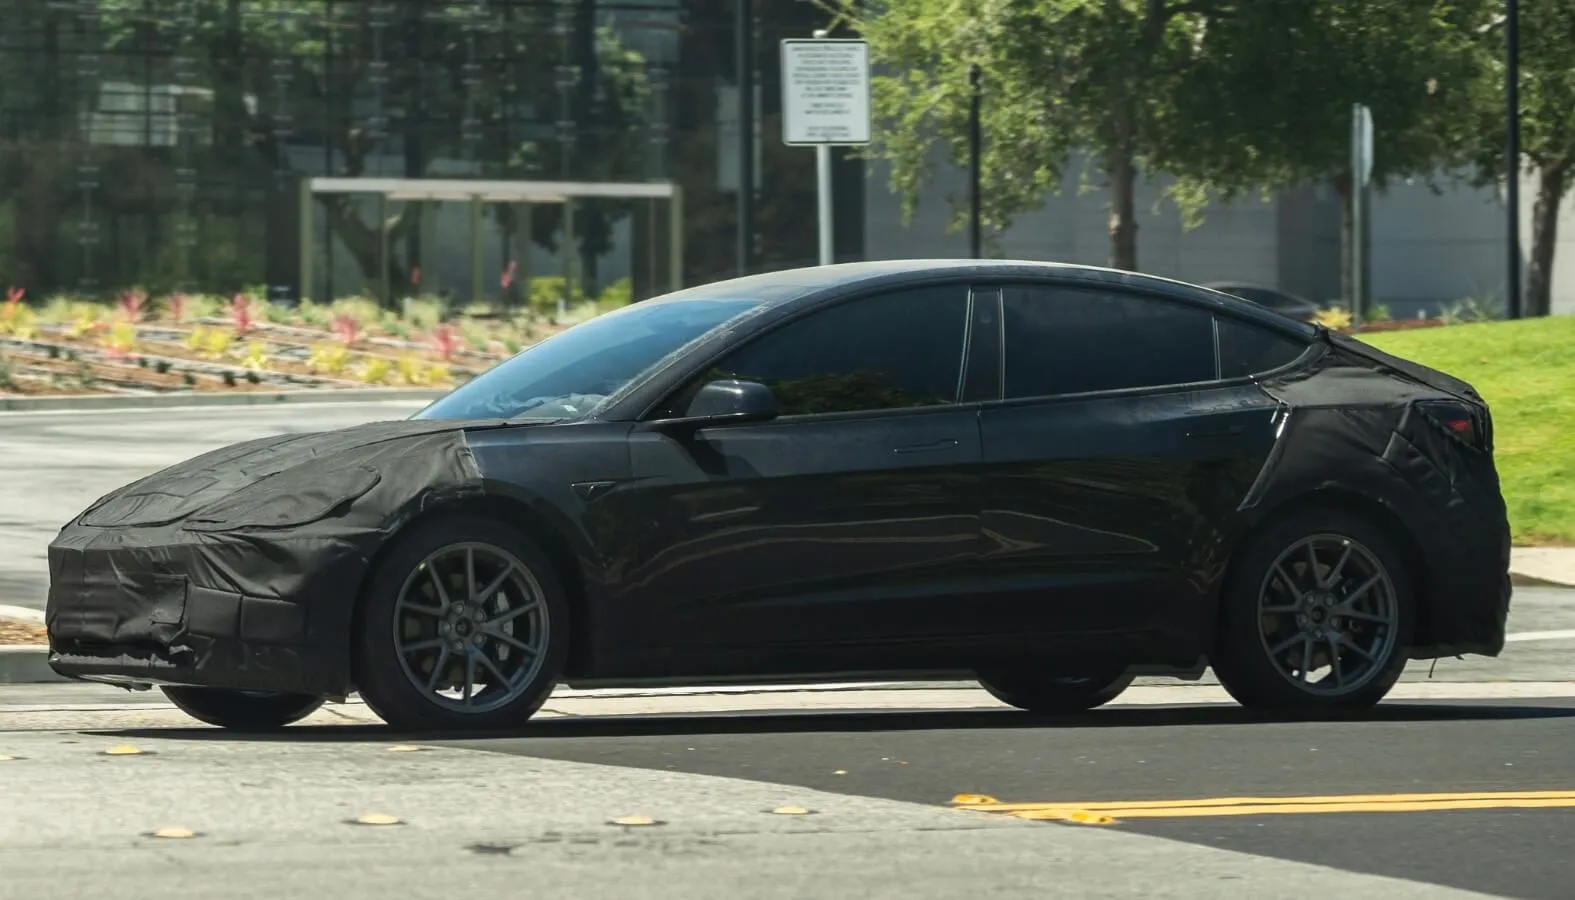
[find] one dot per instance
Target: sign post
(825, 104)
(1361, 176)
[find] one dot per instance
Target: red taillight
(1461, 419)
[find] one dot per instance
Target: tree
(451, 80)
(1225, 96)
(1268, 102)
(1547, 126)
(1061, 76)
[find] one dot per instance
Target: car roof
(786, 286)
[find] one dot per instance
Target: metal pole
(570, 253)
(305, 225)
(823, 187)
(1512, 121)
(744, 41)
(975, 231)
(385, 295)
(1358, 219)
(675, 237)
(478, 291)
(823, 201)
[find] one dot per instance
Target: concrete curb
(240, 398)
(26, 664)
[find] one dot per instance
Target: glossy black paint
(716, 539)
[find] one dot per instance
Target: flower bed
(187, 343)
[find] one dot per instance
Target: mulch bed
(13, 632)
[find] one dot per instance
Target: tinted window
(1247, 349)
(1074, 340)
(568, 374)
(894, 350)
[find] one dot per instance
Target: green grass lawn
(1526, 372)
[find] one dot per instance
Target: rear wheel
(1317, 616)
(464, 625)
(243, 710)
(1052, 693)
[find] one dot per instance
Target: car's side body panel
(1107, 514)
(844, 531)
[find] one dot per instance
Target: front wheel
(1316, 617)
(464, 625)
(1052, 694)
(254, 711)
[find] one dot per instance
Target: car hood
(307, 473)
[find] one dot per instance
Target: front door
(850, 521)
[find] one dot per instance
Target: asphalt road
(56, 463)
(877, 783)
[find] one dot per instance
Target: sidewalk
(1553, 566)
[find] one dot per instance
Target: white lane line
(21, 613)
(1566, 634)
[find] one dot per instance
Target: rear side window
(1065, 340)
(1248, 350)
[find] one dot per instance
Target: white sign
(825, 92)
(1363, 141)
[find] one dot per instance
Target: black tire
(1049, 693)
(381, 677)
(250, 711)
(1242, 658)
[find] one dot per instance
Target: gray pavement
(725, 775)
(58, 462)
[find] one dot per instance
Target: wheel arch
(1373, 510)
(539, 527)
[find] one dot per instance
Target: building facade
(161, 143)
(1428, 250)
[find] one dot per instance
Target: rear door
(852, 520)
(1116, 453)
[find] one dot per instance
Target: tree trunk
(1123, 220)
(1552, 181)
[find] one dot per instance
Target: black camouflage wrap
(239, 568)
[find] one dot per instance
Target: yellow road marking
(1105, 810)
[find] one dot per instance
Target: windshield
(568, 374)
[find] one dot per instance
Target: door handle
(937, 446)
(1215, 433)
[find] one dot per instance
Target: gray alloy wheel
(1327, 615)
(463, 624)
(1051, 693)
(253, 711)
(1318, 616)
(472, 627)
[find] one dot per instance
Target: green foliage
(1226, 96)
(544, 292)
(616, 295)
(1473, 309)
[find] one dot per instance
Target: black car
(1049, 478)
(1285, 304)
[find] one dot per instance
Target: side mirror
(726, 403)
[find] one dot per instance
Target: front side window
(1074, 340)
(890, 351)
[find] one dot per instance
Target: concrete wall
(1428, 249)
